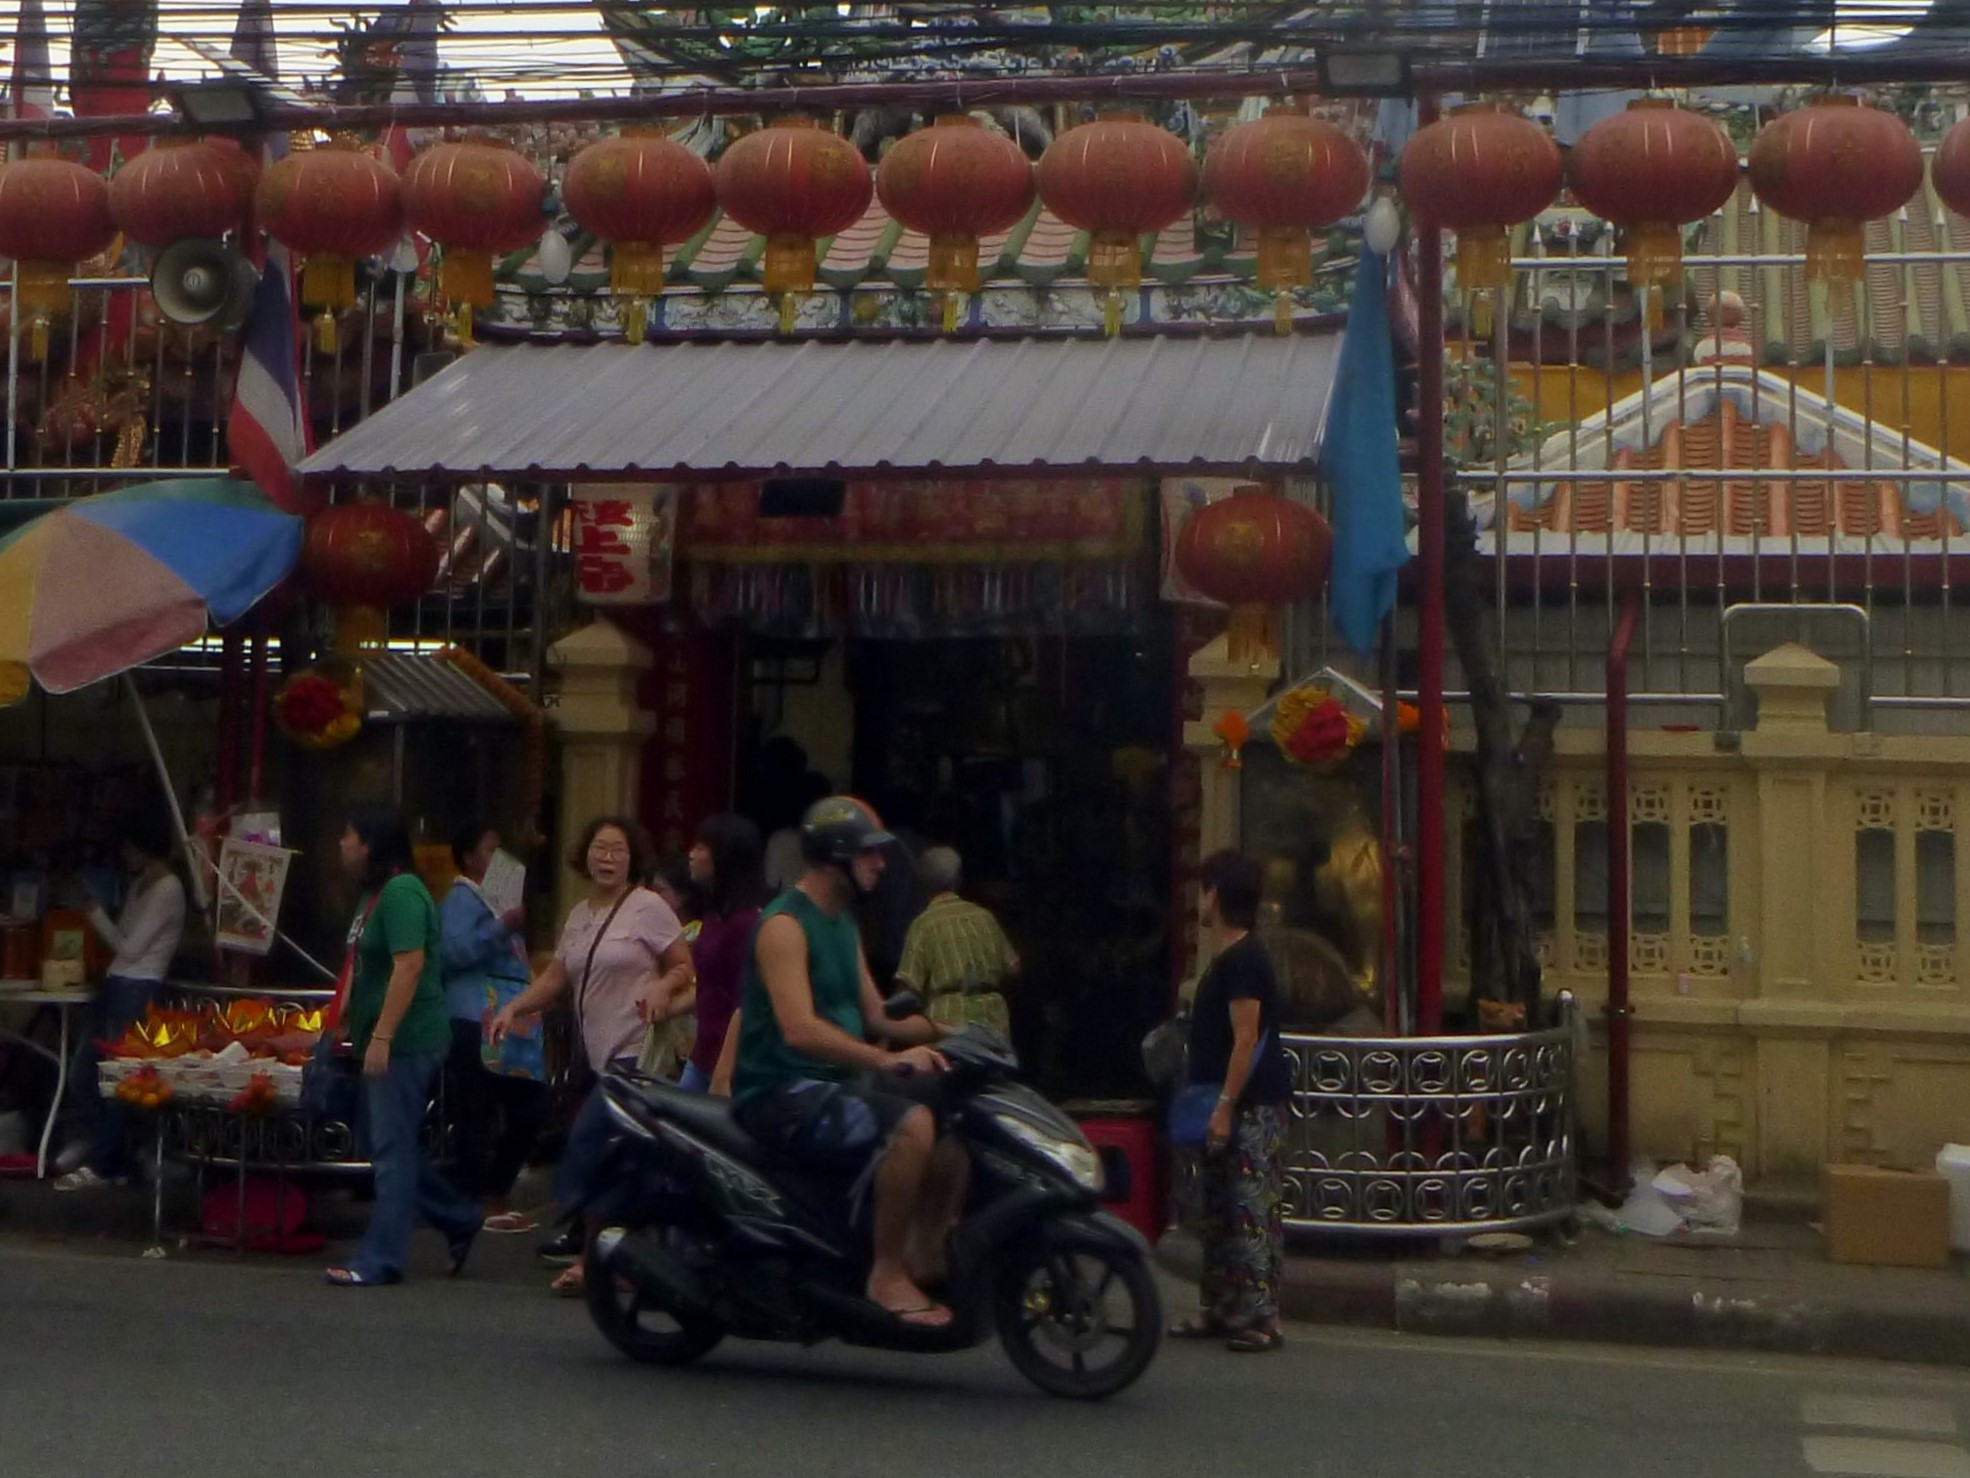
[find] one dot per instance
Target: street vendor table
(64, 1002)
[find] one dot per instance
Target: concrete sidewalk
(1768, 1288)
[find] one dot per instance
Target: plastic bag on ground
(1645, 1212)
(1710, 1201)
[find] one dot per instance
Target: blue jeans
(119, 1005)
(408, 1185)
(694, 1079)
(587, 1147)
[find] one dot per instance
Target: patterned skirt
(1241, 1221)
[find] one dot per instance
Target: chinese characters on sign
(624, 534)
(674, 705)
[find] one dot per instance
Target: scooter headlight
(1074, 1157)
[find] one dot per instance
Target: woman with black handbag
(1234, 1044)
(622, 954)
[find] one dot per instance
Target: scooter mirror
(903, 1004)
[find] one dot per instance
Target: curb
(1508, 1301)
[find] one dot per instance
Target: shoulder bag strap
(588, 965)
(346, 979)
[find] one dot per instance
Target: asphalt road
(199, 1367)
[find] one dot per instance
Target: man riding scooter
(809, 1083)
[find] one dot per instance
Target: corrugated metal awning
(1231, 405)
(402, 687)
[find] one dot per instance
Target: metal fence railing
(1395, 1136)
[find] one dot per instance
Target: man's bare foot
(908, 1303)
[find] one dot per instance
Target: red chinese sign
(978, 521)
(623, 536)
(687, 764)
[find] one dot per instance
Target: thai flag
(268, 431)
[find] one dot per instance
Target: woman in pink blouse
(623, 960)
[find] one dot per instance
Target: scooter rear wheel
(630, 1322)
(1081, 1323)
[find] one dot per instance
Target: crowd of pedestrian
(651, 965)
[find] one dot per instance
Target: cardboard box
(1885, 1218)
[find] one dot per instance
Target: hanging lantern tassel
(329, 282)
(636, 275)
(1115, 267)
(1253, 635)
(43, 294)
(789, 275)
(1484, 266)
(952, 273)
(1836, 255)
(635, 319)
(1285, 262)
(465, 277)
(1655, 262)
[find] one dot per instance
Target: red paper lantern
(53, 214)
(640, 193)
(179, 189)
(363, 558)
(1480, 172)
(793, 183)
(1949, 171)
(1286, 176)
(1653, 170)
(330, 206)
(1835, 164)
(477, 200)
(1255, 551)
(955, 182)
(1120, 178)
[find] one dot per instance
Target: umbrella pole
(228, 766)
(199, 896)
(257, 764)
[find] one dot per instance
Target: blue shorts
(844, 1126)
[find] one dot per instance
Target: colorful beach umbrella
(113, 581)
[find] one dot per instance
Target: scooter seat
(708, 1118)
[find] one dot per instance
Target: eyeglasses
(608, 849)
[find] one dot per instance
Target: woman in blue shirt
(497, 1115)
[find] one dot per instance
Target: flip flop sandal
(460, 1251)
(570, 1284)
(906, 1316)
(509, 1223)
(350, 1278)
(1196, 1328)
(1255, 1341)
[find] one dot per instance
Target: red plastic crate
(1132, 1166)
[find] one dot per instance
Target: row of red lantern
(1119, 178)
(1484, 169)
(1834, 164)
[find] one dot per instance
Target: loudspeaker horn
(197, 281)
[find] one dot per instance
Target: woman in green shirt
(396, 1020)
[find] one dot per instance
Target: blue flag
(1359, 458)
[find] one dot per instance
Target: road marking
(1882, 1457)
(1647, 1357)
(1903, 1415)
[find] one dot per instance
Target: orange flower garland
(1312, 728)
(1234, 733)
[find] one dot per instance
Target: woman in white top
(144, 936)
(623, 959)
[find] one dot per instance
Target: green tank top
(834, 968)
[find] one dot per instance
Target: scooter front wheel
(1082, 1323)
(636, 1326)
